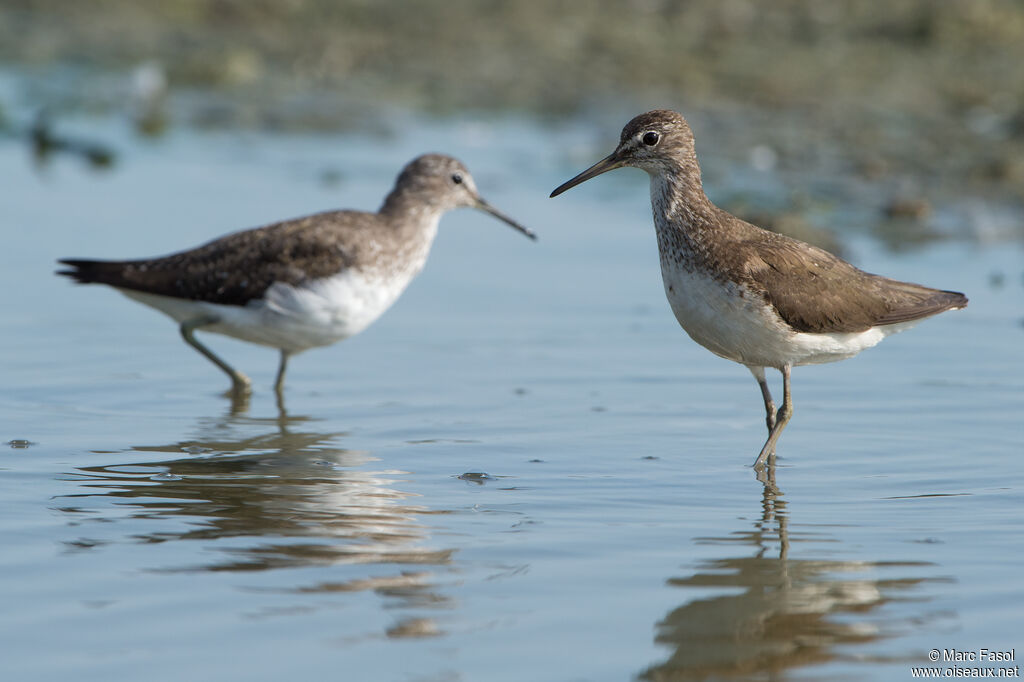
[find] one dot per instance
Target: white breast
(737, 324)
(328, 310)
(316, 313)
(293, 318)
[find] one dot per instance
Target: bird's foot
(766, 458)
(240, 384)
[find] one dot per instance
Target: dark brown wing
(238, 267)
(814, 291)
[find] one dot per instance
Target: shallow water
(524, 470)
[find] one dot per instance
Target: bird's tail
(914, 302)
(92, 271)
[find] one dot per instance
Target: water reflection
(771, 613)
(278, 497)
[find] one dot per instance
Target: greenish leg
(782, 418)
(239, 382)
(281, 369)
(769, 404)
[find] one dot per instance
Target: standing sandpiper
(301, 283)
(749, 295)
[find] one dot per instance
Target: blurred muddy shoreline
(912, 108)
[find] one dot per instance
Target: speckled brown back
(241, 266)
(814, 291)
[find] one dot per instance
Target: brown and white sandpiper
(300, 283)
(749, 295)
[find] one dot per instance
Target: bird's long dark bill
(484, 206)
(610, 162)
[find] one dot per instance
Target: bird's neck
(411, 225)
(684, 216)
(410, 213)
(407, 204)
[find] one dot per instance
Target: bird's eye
(457, 178)
(651, 138)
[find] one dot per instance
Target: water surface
(524, 470)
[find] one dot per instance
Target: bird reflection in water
(772, 612)
(282, 498)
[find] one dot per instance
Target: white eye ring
(650, 138)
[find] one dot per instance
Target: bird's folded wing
(231, 270)
(816, 292)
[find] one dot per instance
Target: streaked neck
(682, 212)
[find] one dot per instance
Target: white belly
(294, 318)
(738, 325)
